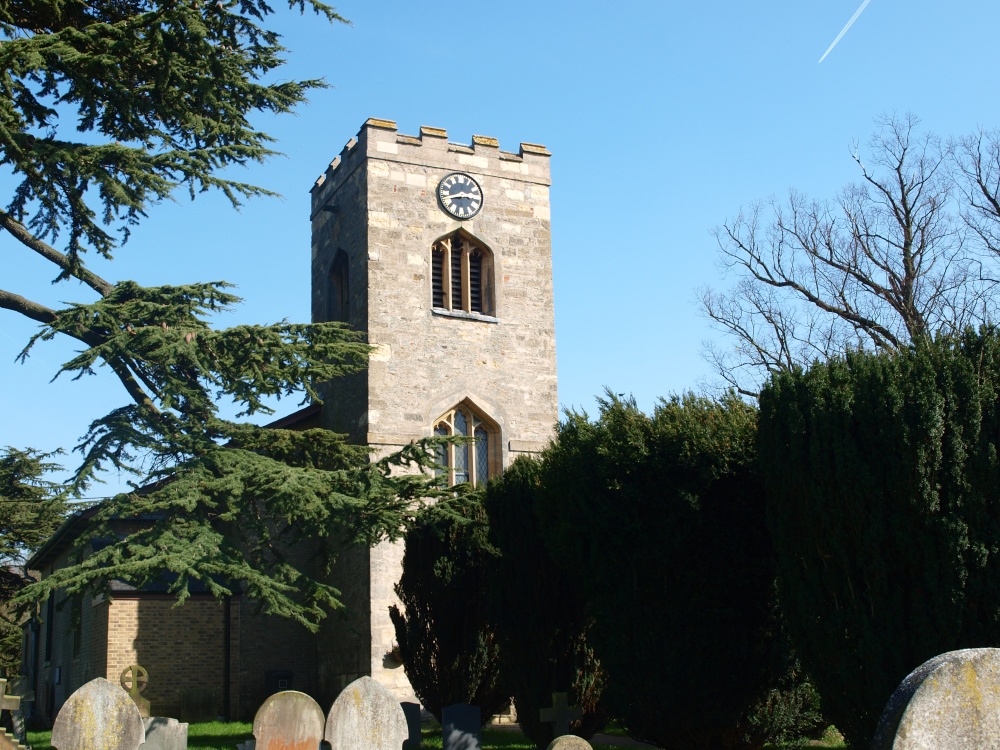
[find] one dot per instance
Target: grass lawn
(211, 735)
(227, 735)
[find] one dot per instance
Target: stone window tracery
(462, 275)
(471, 462)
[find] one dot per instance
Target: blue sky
(663, 120)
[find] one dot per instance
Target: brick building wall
(182, 648)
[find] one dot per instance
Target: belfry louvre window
(470, 462)
(462, 276)
(338, 301)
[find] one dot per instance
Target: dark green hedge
(538, 613)
(883, 484)
(448, 649)
(660, 521)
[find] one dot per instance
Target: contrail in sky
(843, 31)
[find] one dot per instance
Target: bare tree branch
(885, 265)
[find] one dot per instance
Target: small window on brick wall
(471, 462)
(462, 273)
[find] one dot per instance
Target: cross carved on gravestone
(560, 714)
(134, 680)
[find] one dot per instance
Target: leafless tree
(886, 263)
(977, 170)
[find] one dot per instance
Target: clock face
(460, 195)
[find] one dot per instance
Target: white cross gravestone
(951, 702)
(289, 720)
(8, 702)
(9, 741)
(98, 715)
(560, 714)
(20, 693)
(11, 703)
(366, 716)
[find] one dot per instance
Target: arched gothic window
(338, 299)
(462, 272)
(470, 462)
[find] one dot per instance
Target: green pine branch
(108, 107)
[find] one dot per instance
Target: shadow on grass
(211, 735)
(217, 735)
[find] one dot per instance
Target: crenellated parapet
(440, 254)
(380, 139)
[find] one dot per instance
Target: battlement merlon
(379, 139)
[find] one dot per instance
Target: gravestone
(19, 689)
(165, 734)
(569, 742)
(412, 713)
(951, 702)
(460, 727)
(8, 702)
(366, 716)
(98, 715)
(12, 703)
(133, 681)
(560, 714)
(289, 720)
(9, 741)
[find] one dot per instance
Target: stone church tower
(441, 254)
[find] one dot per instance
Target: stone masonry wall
(377, 202)
(424, 362)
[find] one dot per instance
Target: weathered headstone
(412, 713)
(289, 720)
(98, 715)
(133, 681)
(560, 714)
(569, 742)
(165, 734)
(460, 727)
(9, 741)
(951, 702)
(366, 716)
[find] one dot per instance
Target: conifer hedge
(538, 613)
(882, 478)
(660, 520)
(447, 647)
